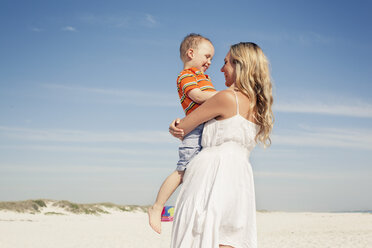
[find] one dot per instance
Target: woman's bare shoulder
(225, 96)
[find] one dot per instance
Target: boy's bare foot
(154, 213)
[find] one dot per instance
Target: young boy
(194, 87)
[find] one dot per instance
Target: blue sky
(88, 88)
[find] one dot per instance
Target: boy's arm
(199, 96)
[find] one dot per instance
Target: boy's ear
(190, 53)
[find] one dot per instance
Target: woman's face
(228, 70)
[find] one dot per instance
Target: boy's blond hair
(190, 41)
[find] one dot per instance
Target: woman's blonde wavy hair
(253, 80)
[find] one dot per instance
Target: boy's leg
(191, 145)
(166, 190)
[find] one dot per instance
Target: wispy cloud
(294, 175)
(303, 38)
(311, 175)
(310, 37)
(326, 137)
(81, 169)
(138, 154)
(116, 21)
(38, 30)
(69, 29)
(363, 110)
(79, 136)
(132, 97)
(119, 21)
(325, 104)
(150, 20)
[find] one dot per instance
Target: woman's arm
(220, 105)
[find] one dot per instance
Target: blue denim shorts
(191, 145)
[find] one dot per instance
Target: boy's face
(201, 57)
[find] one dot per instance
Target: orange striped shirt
(190, 79)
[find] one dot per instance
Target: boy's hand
(176, 132)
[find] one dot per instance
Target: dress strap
(237, 102)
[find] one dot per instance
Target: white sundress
(216, 204)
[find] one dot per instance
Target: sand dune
(57, 226)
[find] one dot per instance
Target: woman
(216, 204)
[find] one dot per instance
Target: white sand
(125, 229)
(333, 230)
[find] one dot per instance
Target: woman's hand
(176, 132)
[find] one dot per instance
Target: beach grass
(53, 213)
(30, 206)
(41, 206)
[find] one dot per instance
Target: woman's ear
(235, 64)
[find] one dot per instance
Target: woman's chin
(228, 85)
